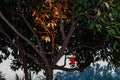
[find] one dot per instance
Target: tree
(40, 32)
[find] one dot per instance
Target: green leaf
(118, 31)
(84, 3)
(91, 24)
(99, 27)
(17, 77)
(115, 45)
(102, 19)
(107, 37)
(112, 31)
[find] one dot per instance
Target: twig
(61, 21)
(17, 32)
(18, 47)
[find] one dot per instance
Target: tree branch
(18, 47)
(65, 42)
(22, 58)
(27, 54)
(52, 35)
(37, 38)
(17, 32)
(40, 48)
(72, 28)
(85, 46)
(68, 69)
(61, 21)
(24, 38)
(41, 51)
(30, 27)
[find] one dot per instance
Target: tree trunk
(25, 69)
(49, 74)
(23, 59)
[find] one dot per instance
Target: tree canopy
(40, 32)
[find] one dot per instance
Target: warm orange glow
(48, 16)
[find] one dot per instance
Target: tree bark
(23, 59)
(49, 74)
(25, 69)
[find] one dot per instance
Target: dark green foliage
(4, 48)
